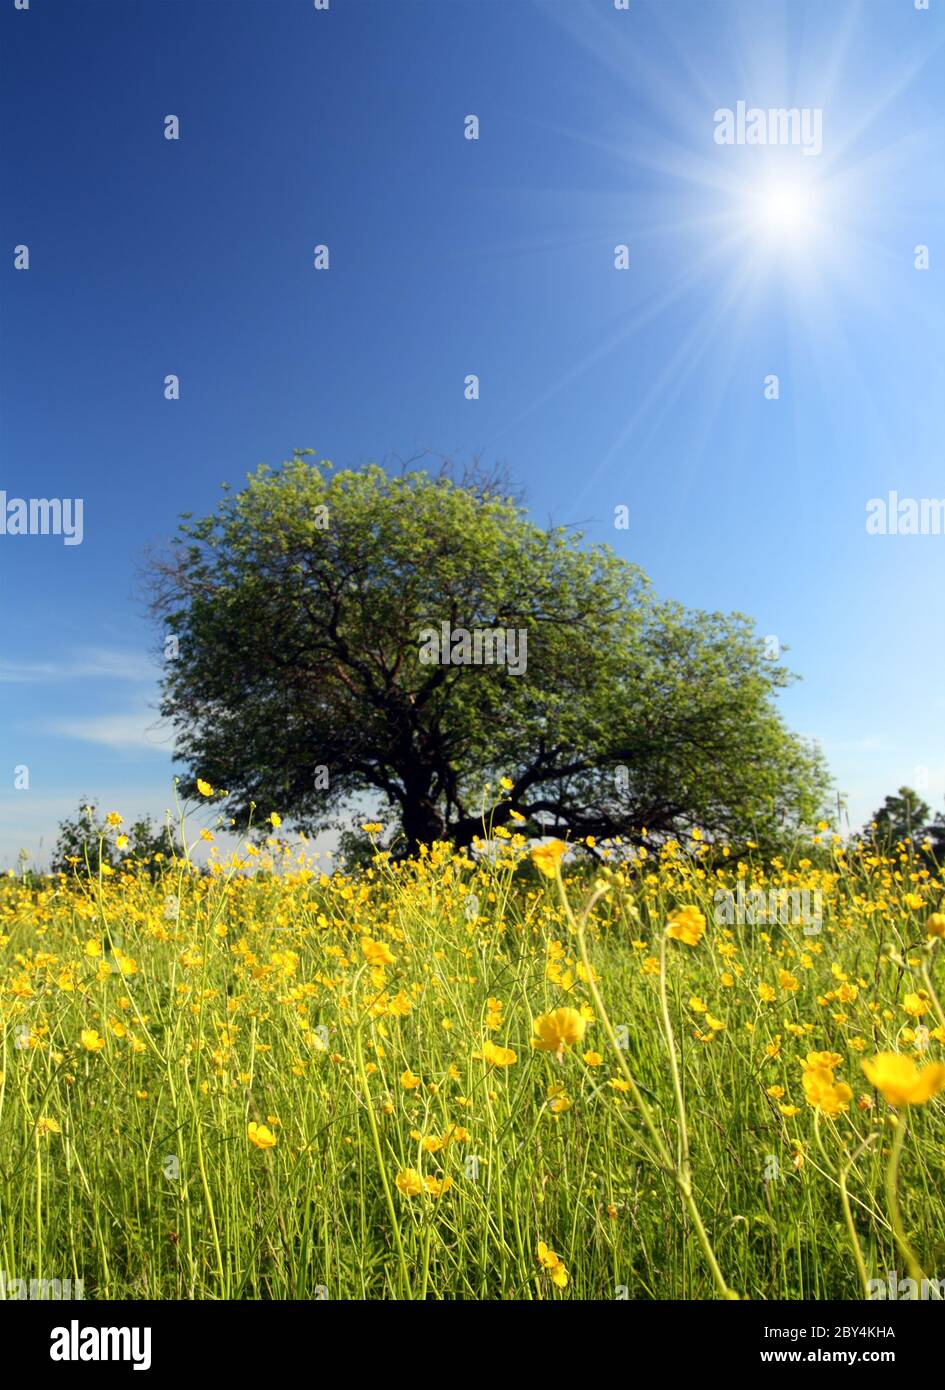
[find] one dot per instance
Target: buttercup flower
(900, 1081)
(557, 1030)
(550, 1262)
(409, 1182)
(825, 1094)
(437, 1186)
(686, 924)
(546, 858)
(260, 1136)
(376, 952)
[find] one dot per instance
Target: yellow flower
(275, 820)
(376, 952)
(916, 1005)
(901, 1082)
(593, 1059)
(546, 858)
(121, 842)
(498, 1056)
(935, 925)
(260, 1136)
(437, 1186)
(686, 924)
(91, 1041)
(409, 1182)
(204, 788)
(831, 1060)
(372, 827)
(45, 1125)
(550, 1261)
(825, 1094)
(124, 965)
(409, 1080)
(556, 1030)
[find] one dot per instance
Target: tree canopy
(906, 816)
(84, 842)
(316, 624)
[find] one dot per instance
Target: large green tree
(899, 817)
(300, 616)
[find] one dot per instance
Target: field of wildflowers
(507, 1074)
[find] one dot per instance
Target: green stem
(680, 1177)
(892, 1202)
(674, 1067)
(381, 1166)
(848, 1214)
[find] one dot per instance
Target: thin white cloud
(81, 663)
(117, 731)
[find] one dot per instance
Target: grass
(683, 1147)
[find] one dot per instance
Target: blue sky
(494, 256)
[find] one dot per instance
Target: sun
(786, 210)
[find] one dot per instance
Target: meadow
(501, 1074)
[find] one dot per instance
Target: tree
(319, 621)
(82, 839)
(150, 846)
(936, 833)
(78, 842)
(902, 816)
